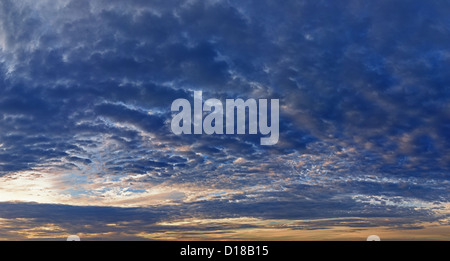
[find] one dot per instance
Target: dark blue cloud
(362, 86)
(109, 223)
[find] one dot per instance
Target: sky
(86, 145)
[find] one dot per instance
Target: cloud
(87, 87)
(31, 221)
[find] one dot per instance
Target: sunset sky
(86, 147)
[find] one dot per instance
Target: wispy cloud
(85, 95)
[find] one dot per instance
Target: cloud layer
(86, 89)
